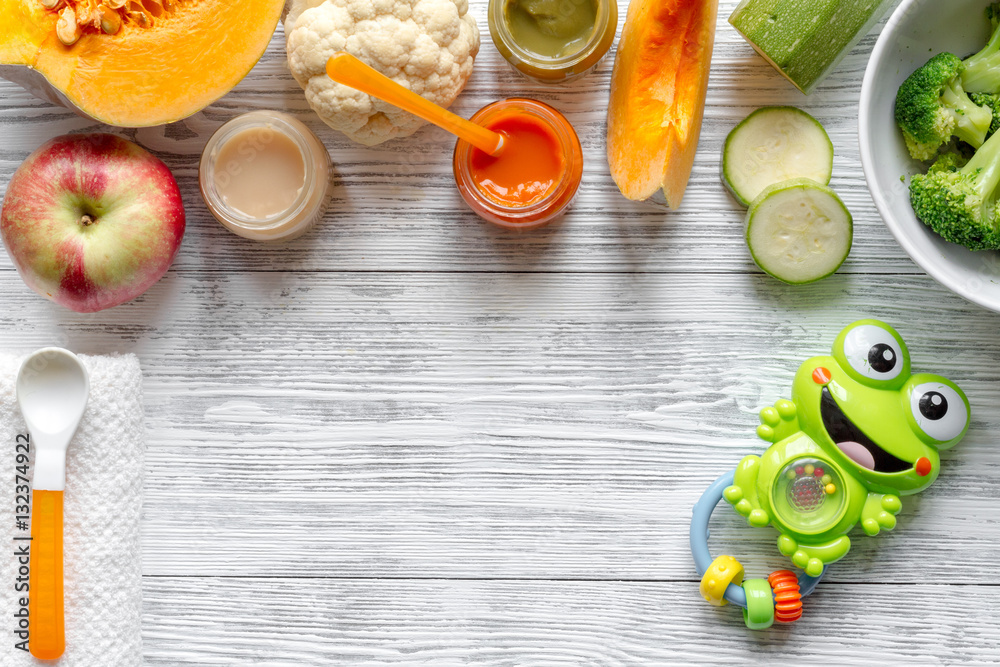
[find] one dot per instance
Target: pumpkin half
(133, 64)
(658, 88)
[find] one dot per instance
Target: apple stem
(86, 220)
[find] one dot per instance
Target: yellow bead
(723, 571)
(830, 489)
(810, 468)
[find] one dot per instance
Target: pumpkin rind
(658, 89)
(189, 58)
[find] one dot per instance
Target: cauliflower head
(427, 46)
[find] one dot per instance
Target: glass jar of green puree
(553, 40)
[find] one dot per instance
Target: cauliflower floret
(427, 46)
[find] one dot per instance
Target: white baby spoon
(52, 391)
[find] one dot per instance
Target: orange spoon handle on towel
(46, 633)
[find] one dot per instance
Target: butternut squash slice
(658, 88)
(131, 63)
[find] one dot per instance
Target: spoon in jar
(52, 392)
(344, 68)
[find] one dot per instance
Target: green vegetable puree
(551, 28)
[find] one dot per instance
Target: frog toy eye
(874, 353)
(939, 410)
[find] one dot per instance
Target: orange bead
(787, 598)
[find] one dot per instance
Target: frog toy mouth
(852, 441)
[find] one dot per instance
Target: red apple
(92, 220)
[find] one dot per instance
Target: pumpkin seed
(140, 17)
(111, 21)
(67, 29)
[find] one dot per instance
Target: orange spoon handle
(46, 633)
(344, 68)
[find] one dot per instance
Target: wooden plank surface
(565, 435)
(567, 623)
(409, 438)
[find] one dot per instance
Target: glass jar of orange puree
(535, 175)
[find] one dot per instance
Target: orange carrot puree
(528, 167)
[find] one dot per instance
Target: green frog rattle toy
(861, 431)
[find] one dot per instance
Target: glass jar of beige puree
(266, 176)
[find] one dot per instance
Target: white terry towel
(102, 505)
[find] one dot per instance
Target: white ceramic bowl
(917, 30)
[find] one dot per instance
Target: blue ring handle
(699, 540)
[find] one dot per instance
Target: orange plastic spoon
(52, 391)
(344, 68)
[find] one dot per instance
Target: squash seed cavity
(77, 17)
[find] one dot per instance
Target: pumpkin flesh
(189, 57)
(658, 89)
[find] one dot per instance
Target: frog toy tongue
(858, 453)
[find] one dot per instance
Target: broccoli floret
(961, 204)
(932, 106)
(948, 162)
(982, 70)
(991, 102)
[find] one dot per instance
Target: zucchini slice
(799, 231)
(775, 144)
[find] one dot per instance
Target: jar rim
(500, 30)
(279, 121)
(568, 142)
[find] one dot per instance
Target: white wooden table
(412, 438)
